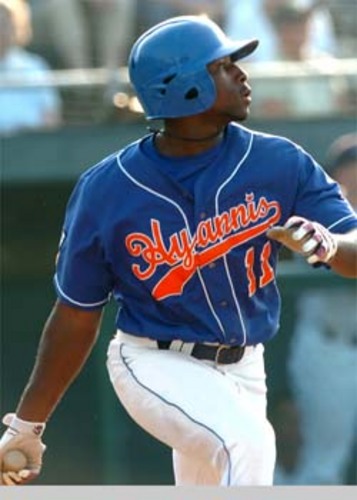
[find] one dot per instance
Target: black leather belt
(221, 354)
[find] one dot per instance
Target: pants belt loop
(187, 347)
(176, 345)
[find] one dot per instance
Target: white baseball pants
(213, 417)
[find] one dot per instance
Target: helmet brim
(236, 49)
(246, 48)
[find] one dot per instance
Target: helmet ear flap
(182, 94)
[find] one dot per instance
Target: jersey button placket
(217, 284)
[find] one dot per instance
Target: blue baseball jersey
(188, 257)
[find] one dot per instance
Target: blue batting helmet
(168, 65)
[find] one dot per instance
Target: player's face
(233, 92)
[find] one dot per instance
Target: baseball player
(182, 228)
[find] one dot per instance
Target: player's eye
(226, 62)
(223, 63)
(228, 65)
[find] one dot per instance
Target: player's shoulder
(100, 171)
(107, 168)
(267, 141)
(279, 152)
(106, 175)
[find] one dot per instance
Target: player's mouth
(246, 93)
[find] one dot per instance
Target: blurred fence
(320, 88)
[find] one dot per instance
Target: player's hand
(25, 437)
(310, 239)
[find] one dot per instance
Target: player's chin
(242, 109)
(240, 116)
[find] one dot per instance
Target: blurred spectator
(322, 363)
(253, 19)
(292, 25)
(151, 12)
(344, 13)
(23, 107)
(85, 33)
(311, 93)
(341, 163)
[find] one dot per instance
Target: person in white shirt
(246, 17)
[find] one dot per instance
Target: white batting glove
(311, 239)
(25, 437)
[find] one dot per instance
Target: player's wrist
(24, 426)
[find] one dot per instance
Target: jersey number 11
(266, 271)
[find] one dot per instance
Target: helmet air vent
(191, 94)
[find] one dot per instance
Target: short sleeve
(319, 198)
(83, 276)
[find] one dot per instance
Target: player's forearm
(345, 260)
(66, 342)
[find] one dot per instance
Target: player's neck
(183, 141)
(192, 138)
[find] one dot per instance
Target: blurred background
(65, 103)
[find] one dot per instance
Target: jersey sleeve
(319, 198)
(82, 277)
